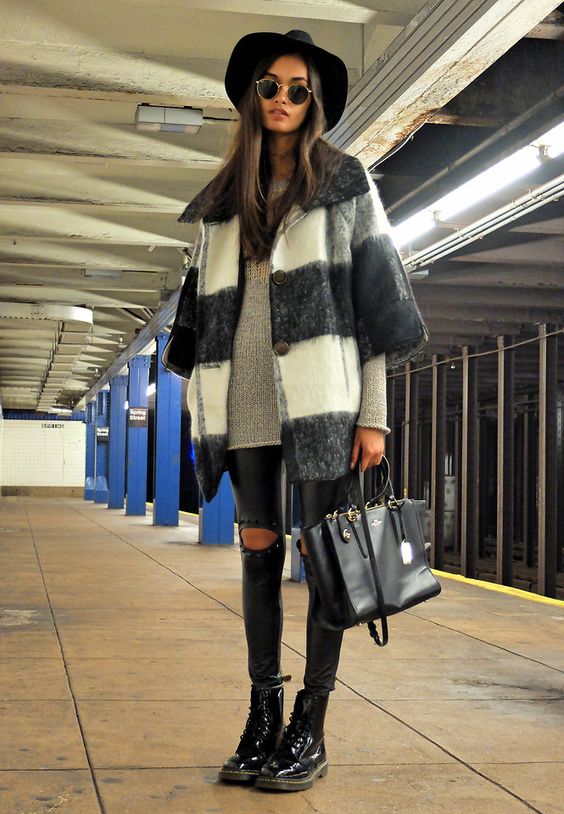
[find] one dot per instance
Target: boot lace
(295, 734)
(259, 721)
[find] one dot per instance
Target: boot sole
(292, 785)
(237, 777)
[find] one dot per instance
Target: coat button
(281, 348)
(279, 276)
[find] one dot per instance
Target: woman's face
(279, 115)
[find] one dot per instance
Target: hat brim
(252, 48)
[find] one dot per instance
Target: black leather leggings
(255, 478)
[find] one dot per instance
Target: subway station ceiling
(90, 249)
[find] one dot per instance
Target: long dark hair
(245, 175)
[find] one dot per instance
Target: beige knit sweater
(253, 418)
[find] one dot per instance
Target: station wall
(43, 455)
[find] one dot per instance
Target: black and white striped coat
(344, 298)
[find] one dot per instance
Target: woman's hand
(372, 443)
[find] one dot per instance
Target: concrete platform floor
(123, 683)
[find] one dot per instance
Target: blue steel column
(217, 516)
(166, 500)
(90, 468)
(101, 487)
(118, 423)
(136, 502)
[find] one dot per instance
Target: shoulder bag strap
(380, 641)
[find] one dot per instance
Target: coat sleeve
(388, 319)
(179, 354)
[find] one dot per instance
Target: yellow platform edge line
(480, 583)
(502, 589)
(149, 504)
(193, 514)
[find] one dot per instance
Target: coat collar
(347, 182)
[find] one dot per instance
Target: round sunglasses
(269, 89)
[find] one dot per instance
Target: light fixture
(552, 141)
(110, 274)
(487, 183)
(508, 214)
(168, 119)
(151, 389)
(482, 186)
(413, 227)
(126, 405)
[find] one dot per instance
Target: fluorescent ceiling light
(551, 191)
(482, 186)
(151, 389)
(487, 183)
(168, 119)
(413, 227)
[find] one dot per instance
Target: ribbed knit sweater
(253, 417)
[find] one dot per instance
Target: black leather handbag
(369, 561)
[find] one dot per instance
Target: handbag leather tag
(406, 552)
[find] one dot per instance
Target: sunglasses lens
(297, 94)
(267, 88)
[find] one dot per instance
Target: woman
(294, 303)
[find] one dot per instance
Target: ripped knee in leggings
(256, 537)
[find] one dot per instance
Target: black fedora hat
(252, 48)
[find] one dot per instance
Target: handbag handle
(384, 487)
(387, 491)
(383, 640)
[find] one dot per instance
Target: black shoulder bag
(369, 562)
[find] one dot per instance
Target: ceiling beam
(32, 252)
(118, 141)
(171, 52)
(385, 11)
(130, 281)
(464, 120)
(69, 296)
(485, 311)
(78, 158)
(503, 298)
(476, 329)
(97, 208)
(109, 75)
(498, 274)
(444, 47)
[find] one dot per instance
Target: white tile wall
(43, 453)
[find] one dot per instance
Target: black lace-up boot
(260, 737)
(301, 756)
